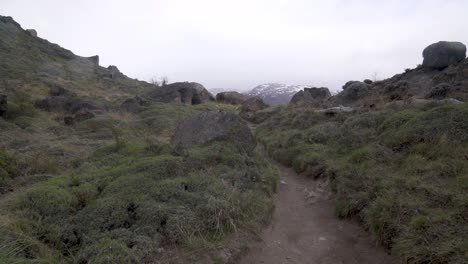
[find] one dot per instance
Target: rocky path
(305, 230)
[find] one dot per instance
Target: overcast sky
(241, 43)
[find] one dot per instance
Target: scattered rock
(439, 92)
(442, 54)
(253, 104)
(62, 100)
(181, 92)
(56, 90)
(114, 71)
(133, 105)
(335, 110)
(233, 98)
(3, 104)
(32, 32)
(79, 116)
(368, 81)
(212, 126)
(309, 95)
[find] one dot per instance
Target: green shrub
(48, 201)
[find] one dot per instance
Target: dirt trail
(305, 230)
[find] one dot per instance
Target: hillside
(395, 152)
(94, 169)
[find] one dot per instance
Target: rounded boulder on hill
(181, 92)
(233, 98)
(442, 54)
(253, 104)
(208, 127)
(353, 91)
(309, 95)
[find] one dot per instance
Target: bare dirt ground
(305, 229)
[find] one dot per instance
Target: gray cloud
(239, 44)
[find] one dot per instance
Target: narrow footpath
(305, 229)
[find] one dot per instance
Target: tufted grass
(401, 172)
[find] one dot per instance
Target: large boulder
(62, 100)
(233, 98)
(442, 54)
(253, 104)
(3, 104)
(32, 32)
(310, 95)
(354, 91)
(208, 127)
(133, 105)
(181, 92)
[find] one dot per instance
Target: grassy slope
(114, 182)
(402, 172)
(110, 189)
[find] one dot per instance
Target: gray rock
(368, 81)
(253, 104)
(181, 92)
(347, 84)
(309, 95)
(64, 103)
(3, 104)
(208, 127)
(32, 32)
(337, 109)
(440, 91)
(233, 98)
(56, 90)
(94, 59)
(79, 116)
(442, 54)
(133, 105)
(354, 91)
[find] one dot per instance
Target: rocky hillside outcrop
(33, 60)
(181, 92)
(443, 75)
(311, 95)
(213, 126)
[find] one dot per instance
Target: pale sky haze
(242, 43)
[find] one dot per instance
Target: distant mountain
(275, 93)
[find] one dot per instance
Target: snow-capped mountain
(275, 93)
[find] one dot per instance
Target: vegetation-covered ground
(402, 171)
(112, 190)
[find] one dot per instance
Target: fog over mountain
(241, 44)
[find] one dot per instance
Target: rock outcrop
(133, 105)
(311, 95)
(233, 98)
(63, 100)
(253, 104)
(442, 54)
(181, 92)
(212, 126)
(32, 32)
(79, 116)
(353, 91)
